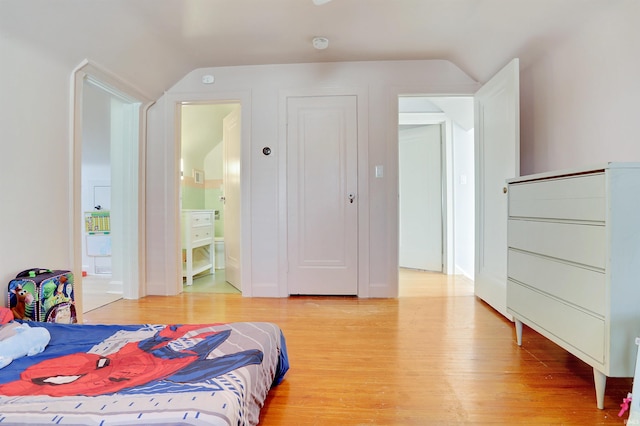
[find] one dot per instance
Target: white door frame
(134, 243)
(173, 247)
(362, 102)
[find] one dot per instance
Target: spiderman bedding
(206, 374)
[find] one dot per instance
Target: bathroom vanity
(197, 243)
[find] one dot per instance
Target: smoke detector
(320, 43)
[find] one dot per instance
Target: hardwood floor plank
(435, 355)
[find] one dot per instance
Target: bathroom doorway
(208, 262)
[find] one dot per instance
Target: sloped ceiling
(154, 43)
(459, 110)
(202, 128)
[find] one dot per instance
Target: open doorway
(108, 194)
(209, 192)
(100, 287)
(436, 187)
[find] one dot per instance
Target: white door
(497, 137)
(420, 176)
(322, 195)
(231, 193)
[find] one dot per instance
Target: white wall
(381, 83)
(464, 201)
(34, 147)
(580, 101)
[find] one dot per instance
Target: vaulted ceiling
(154, 43)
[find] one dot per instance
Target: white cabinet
(197, 243)
(574, 263)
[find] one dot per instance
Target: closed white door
(231, 194)
(497, 138)
(420, 176)
(322, 195)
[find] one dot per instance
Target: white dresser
(574, 263)
(197, 243)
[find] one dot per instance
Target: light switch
(379, 171)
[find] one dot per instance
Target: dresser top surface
(599, 168)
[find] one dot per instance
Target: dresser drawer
(201, 235)
(201, 219)
(579, 243)
(569, 325)
(579, 286)
(572, 198)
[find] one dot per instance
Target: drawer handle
(504, 190)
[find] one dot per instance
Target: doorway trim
(106, 80)
(173, 266)
(362, 102)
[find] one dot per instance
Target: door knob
(352, 197)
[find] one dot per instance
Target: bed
(189, 374)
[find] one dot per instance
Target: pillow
(26, 341)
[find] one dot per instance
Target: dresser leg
(518, 332)
(600, 381)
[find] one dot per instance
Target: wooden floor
(436, 355)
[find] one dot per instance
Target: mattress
(186, 374)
